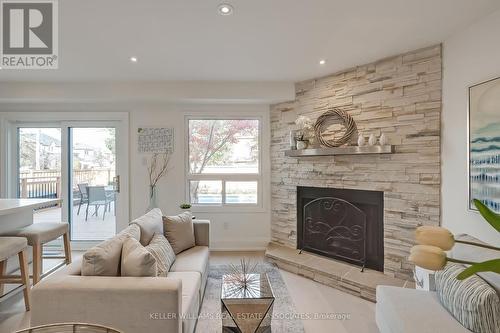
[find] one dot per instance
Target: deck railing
(38, 187)
(47, 183)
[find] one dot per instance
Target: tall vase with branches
(157, 169)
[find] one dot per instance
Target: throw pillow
(104, 258)
(179, 231)
(162, 251)
(133, 230)
(473, 302)
(150, 223)
(477, 254)
(137, 260)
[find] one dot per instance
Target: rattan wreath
(334, 116)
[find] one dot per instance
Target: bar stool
(38, 234)
(9, 247)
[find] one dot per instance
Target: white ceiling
(264, 40)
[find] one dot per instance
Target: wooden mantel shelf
(346, 150)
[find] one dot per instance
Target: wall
(165, 104)
(399, 96)
(230, 230)
(469, 57)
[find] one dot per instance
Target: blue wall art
(484, 144)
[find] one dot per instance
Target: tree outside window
(223, 150)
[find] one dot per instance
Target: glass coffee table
(247, 307)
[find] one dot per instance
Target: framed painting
(484, 144)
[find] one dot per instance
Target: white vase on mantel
(361, 140)
(383, 140)
(372, 140)
(301, 144)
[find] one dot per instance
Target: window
(224, 162)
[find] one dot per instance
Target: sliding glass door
(80, 163)
(93, 182)
(39, 168)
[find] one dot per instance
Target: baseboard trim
(240, 249)
(259, 244)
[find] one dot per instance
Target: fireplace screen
(335, 227)
(343, 224)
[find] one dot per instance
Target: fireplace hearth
(342, 224)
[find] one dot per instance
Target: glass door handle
(116, 181)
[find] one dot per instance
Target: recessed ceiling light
(133, 59)
(225, 9)
(322, 62)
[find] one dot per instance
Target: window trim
(224, 177)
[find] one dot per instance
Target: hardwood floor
(309, 297)
(312, 297)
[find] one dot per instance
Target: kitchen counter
(18, 213)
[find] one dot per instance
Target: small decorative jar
(372, 141)
(302, 144)
(361, 140)
(383, 140)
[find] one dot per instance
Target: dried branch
(157, 171)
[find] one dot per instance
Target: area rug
(284, 312)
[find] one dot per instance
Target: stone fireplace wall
(399, 96)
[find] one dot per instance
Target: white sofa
(406, 310)
(132, 304)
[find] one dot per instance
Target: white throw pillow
(161, 249)
(150, 224)
(179, 231)
(137, 260)
(104, 258)
(473, 302)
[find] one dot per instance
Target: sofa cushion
(190, 285)
(473, 302)
(162, 251)
(190, 298)
(104, 258)
(413, 311)
(193, 260)
(179, 231)
(150, 224)
(136, 260)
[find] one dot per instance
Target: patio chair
(111, 196)
(82, 189)
(96, 196)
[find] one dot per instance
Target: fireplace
(342, 224)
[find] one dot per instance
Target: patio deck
(95, 228)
